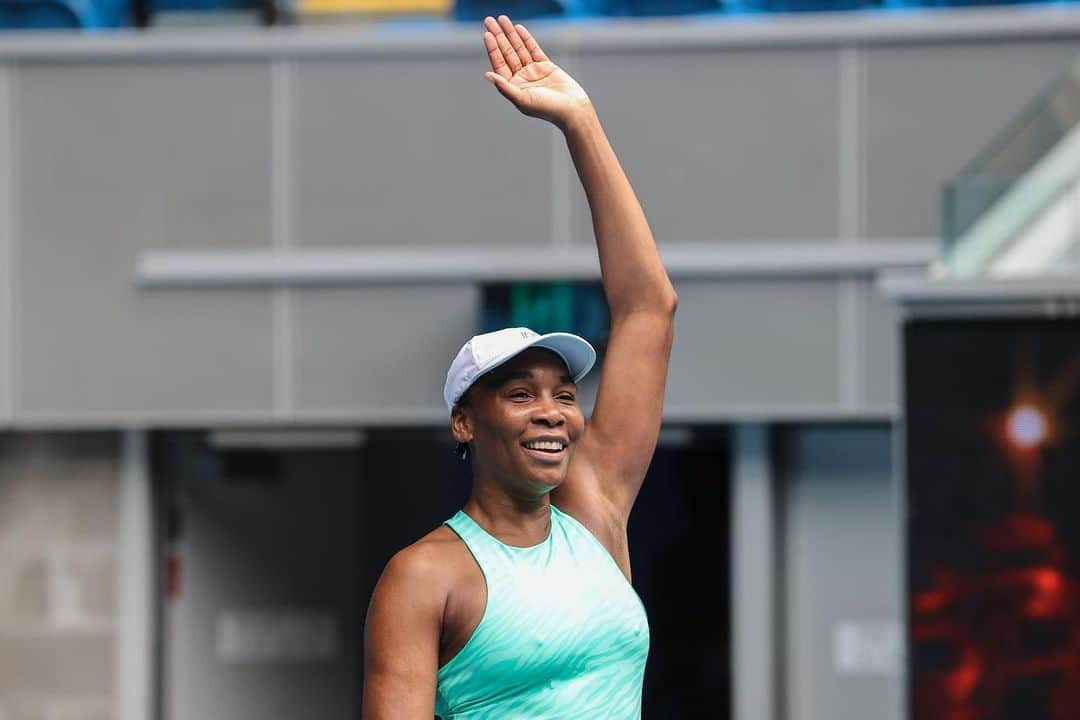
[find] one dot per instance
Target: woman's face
(523, 422)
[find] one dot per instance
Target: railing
(1022, 174)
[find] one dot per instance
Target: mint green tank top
(563, 634)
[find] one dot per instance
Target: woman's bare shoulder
(436, 560)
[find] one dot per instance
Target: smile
(546, 457)
(545, 446)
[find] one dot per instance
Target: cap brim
(575, 351)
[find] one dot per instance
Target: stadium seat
(144, 10)
(49, 15)
(646, 8)
(473, 10)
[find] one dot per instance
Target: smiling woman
(520, 604)
(523, 422)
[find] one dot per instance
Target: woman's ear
(461, 424)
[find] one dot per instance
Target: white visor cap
(486, 352)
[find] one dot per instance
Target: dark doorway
(679, 548)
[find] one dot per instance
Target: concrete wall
(832, 135)
(58, 575)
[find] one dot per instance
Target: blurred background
(241, 241)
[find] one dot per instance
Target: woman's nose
(549, 412)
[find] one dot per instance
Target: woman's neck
(517, 521)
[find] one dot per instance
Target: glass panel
(1014, 153)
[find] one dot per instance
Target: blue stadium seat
(63, 14)
(48, 14)
(916, 4)
(796, 6)
(645, 8)
(200, 5)
(144, 10)
(473, 10)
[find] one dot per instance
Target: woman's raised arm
(619, 441)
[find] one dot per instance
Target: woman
(520, 606)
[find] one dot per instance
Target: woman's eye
(567, 397)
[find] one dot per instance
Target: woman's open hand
(526, 77)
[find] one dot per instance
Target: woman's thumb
(504, 86)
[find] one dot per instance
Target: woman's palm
(549, 90)
(524, 74)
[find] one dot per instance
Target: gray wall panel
(377, 349)
(843, 555)
(755, 343)
(371, 148)
(113, 160)
(880, 350)
(723, 145)
(181, 152)
(392, 152)
(929, 109)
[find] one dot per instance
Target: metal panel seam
(7, 249)
(15, 239)
(282, 153)
(852, 358)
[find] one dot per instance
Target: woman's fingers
(507, 50)
(509, 53)
(510, 48)
(495, 55)
(515, 40)
(531, 45)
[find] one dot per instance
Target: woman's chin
(548, 481)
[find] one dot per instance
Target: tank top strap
(490, 554)
(470, 533)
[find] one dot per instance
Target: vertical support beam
(135, 678)
(7, 243)
(281, 168)
(753, 577)
(851, 360)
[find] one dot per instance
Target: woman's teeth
(549, 445)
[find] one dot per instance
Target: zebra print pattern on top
(564, 635)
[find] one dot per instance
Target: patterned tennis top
(563, 634)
